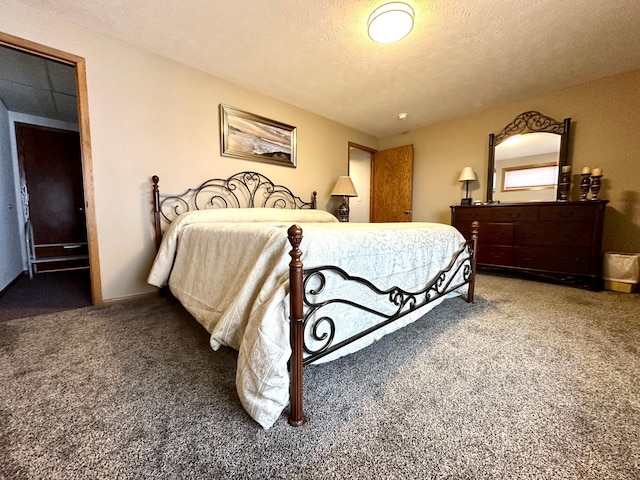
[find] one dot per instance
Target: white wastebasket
(621, 271)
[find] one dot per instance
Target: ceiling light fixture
(390, 22)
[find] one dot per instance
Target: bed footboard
(460, 271)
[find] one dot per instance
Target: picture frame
(252, 137)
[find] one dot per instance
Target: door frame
(85, 147)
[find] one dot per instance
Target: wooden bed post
(156, 210)
(472, 282)
(296, 416)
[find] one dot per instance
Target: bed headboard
(241, 190)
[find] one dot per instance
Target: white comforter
(233, 278)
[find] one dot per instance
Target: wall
(605, 115)
(150, 115)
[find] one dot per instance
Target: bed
(232, 252)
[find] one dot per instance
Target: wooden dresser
(556, 240)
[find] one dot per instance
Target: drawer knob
(571, 261)
(572, 236)
(565, 214)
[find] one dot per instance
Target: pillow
(244, 215)
(164, 259)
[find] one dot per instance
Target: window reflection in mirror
(529, 165)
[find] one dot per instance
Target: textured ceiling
(461, 57)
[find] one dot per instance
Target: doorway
(33, 50)
(384, 182)
(50, 166)
(360, 173)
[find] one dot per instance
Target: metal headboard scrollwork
(241, 190)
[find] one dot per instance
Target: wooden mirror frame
(529, 122)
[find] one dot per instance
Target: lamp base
(466, 201)
(343, 210)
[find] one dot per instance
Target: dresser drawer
(496, 233)
(514, 214)
(554, 259)
(568, 213)
(553, 233)
(494, 254)
(496, 214)
(465, 229)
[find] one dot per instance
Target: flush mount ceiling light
(390, 22)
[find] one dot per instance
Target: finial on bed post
(475, 225)
(314, 200)
(296, 415)
(156, 210)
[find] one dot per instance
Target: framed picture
(251, 137)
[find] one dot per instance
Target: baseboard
(131, 298)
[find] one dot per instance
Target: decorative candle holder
(563, 186)
(595, 186)
(585, 185)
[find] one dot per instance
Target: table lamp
(467, 175)
(344, 187)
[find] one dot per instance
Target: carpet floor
(46, 292)
(532, 381)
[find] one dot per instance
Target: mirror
(526, 158)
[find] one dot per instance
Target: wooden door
(11, 225)
(51, 173)
(391, 185)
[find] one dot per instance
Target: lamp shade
(390, 22)
(467, 175)
(344, 187)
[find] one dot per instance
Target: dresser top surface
(535, 204)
